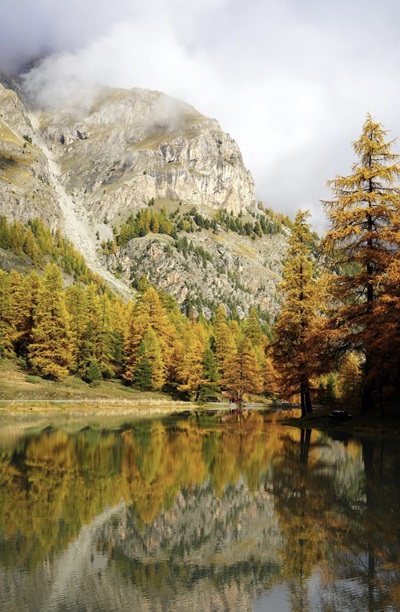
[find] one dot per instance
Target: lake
(197, 513)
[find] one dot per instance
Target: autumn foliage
(149, 344)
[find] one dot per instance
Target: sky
(290, 80)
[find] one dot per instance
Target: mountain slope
(90, 165)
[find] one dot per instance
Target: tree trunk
(303, 402)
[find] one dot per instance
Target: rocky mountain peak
(120, 148)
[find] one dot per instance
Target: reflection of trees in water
(303, 489)
(340, 525)
(244, 501)
(55, 482)
(367, 561)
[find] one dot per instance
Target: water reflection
(193, 514)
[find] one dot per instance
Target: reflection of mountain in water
(205, 553)
(203, 541)
(213, 519)
(202, 528)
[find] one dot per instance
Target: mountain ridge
(88, 166)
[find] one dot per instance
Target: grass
(20, 391)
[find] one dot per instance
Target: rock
(133, 145)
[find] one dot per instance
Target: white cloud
(290, 80)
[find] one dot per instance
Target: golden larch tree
(242, 372)
(363, 241)
(51, 350)
(293, 348)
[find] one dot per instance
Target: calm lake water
(189, 514)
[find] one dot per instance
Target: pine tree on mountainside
(51, 351)
(31, 248)
(363, 240)
(293, 349)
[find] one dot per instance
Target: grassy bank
(21, 392)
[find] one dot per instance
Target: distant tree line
(147, 220)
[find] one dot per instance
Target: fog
(290, 80)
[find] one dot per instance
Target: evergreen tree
(149, 312)
(51, 350)
(209, 388)
(92, 373)
(294, 349)
(252, 327)
(363, 241)
(143, 370)
(77, 305)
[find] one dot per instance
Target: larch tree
(363, 241)
(224, 341)
(189, 357)
(242, 371)
(25, 292)
(7, 318)
(294, 346)
(51, 351)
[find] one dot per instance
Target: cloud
(291, 81)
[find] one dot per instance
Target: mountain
(93, 164)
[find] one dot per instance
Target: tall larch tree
(242, 371)
(224, 341)
(148, 312)
(7, 322)
(189, 357)
(25, 291)
(293, 347)
(51, 350)
(363, 241)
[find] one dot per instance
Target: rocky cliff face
(25, 188)
(135, 145)
(88, 165)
